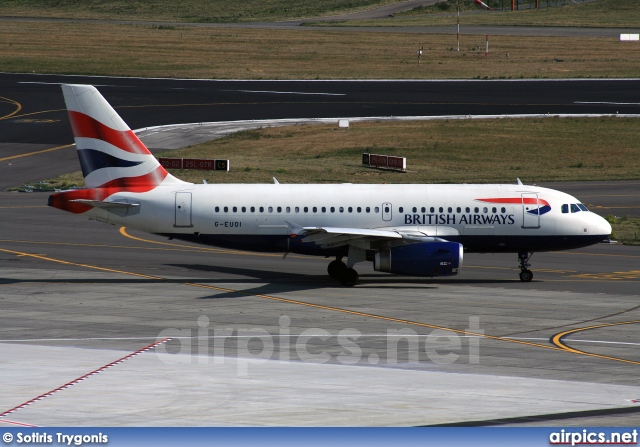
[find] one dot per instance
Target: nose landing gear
(523, 259)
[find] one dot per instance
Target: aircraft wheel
(526, 275)
(349, 278)
(336, 269)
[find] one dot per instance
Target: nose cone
(601, 226)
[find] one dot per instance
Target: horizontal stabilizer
(119, 208)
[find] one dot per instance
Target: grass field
(199, 11)
(600, 14)
(221, 53)
(625, 229)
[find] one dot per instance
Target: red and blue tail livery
(112, 157)
(404, 229)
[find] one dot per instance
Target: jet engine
(421, 259)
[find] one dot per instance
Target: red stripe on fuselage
(86, 127)
(516, 200)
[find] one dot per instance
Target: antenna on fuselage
(519, 182)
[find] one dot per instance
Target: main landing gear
(339, 270)
(525, 274)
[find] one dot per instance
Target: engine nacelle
(421, 259)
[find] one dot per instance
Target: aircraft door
(387, 211)
(530, 210)
(183, 209)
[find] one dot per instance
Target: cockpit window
(575, 208)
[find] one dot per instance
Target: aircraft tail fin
(111, 155)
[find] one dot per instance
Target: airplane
(406, 229)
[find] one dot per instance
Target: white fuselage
(484, 218)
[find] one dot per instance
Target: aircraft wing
(336, 236)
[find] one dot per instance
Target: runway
(253, 339)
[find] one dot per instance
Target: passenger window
(386, 209)
(333, 209)
(458, 210)
(315, 209)
(449, 210)
(503, 210)
(574, 208)
(359, 209)
(297, 209)
(253, 209)
(564, 208)
(217, 209)
(306, 209)
(423, 209)
(476, 210)
(244, 209)
(432, 210)
(271, 209)
(262, 209)
(441, 209)
(279, 209)
(376, 209)
(368, 210)
(288, 209)
(324, 209)
(401, 209)
(485, 210)
(235, 209)
(467, 210)
(494, 210)
(350, 209)
(341, 209)
(226, 209)
(415, 210)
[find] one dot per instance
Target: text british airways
(463, 219)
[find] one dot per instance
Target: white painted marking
(59, 83)
(609, 103)
(287, 93)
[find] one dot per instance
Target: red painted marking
(516, 200)
(81, 378)
(21, 424)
